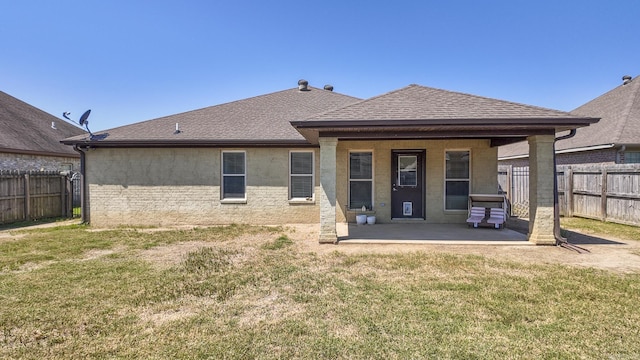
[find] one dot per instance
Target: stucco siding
(156, 187)
(483, 175)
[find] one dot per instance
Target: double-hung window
(457, 180)
(301, 175)
(360, 179)
(234, 175)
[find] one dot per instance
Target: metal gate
(515, 182)
(76, 193)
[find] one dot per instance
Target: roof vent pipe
(303, 85)
(626, 79)
(328, 87)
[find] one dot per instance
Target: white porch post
(328, 233)
(541, 173)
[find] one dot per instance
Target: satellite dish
(84, 122)
(84, 117)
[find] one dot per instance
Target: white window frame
(243, 199)
(444, 189)
(312, 198)
(369, 180)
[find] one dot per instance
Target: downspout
(561, 241)
(83, 193)
(620, 154)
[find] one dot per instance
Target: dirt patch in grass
(96, 254)
(269, 308)
(174, 311)
(171, 255)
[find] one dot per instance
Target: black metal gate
(76, 195)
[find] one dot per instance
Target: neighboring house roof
(619, 110)
(418, 111)
(260, 120)
(28, 130)
(294, 117)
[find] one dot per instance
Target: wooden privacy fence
(603, 192)
(34, 195)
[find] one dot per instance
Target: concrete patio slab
(416, 233)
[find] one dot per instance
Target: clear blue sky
(130, 61)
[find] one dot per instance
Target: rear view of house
(312, 155)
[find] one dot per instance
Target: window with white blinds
(301, 175)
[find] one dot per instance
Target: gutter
(561, 241)
(84, 212)
(565, 151)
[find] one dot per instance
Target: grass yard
(243, 292)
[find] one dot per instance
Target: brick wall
(182, 186)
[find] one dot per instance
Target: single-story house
(615, 139)
(30, 138)
(311, 155)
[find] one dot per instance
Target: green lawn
(242, 292)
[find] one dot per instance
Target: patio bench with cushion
(496, 217)
(476, 215)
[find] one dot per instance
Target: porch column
(328, 233)
(541, 173)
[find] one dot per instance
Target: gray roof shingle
(416, 102)
(619, 110)
(27, 129)
(262, 119)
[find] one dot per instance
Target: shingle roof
(416, 102)
(421, 112)
(620, 113)
(619, 110)
(27, 129)
(258, 120)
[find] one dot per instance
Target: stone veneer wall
(26, 162)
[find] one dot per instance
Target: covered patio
(414, 119)
(425, 233)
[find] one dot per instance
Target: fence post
(568, 183)
(603, 196)
(63, 207)
(27, 197)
